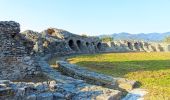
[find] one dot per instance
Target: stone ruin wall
(20, 51)
(23, 55)
(61, 42)
(15, 59)
(135, 46)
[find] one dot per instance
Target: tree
(107, 39)
(167, 39)
(84, 35)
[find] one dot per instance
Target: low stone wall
(95, 78)
(78, 89)
(65, 88)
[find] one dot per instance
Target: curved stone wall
(136, 46)
(25, 55)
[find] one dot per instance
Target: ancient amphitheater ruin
(25, 55)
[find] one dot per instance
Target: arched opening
(136, 45)
(79, 44)
(141, 45)
(146, 45)
(99, 46)
(168, 47)
(153, 48)
(72, 45)
(87, 44)
(130, 46)
(160, 48)
(113, 44)
(93, 43)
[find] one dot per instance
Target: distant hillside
(156, 37)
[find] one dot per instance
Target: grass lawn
(151, 70)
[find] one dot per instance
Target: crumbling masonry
(24, 55)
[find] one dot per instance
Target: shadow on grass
(121, 68)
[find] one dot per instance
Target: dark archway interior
(87, 44)
(136, 45)
(92, 43)
(160, 47)
(153, 48)
(72, 45)
(168, 47)
(99, 46)
(113, 44)
(146, 45)
(130, 46)
(79, 44)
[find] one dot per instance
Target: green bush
(107, 39)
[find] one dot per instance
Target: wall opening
(146, 45)
(87, 44)
(80, 45)
(130, 46)
(136, 45)
(153, 48)
(160, 48)
(168, 47)
(72, 45)
(99, 46)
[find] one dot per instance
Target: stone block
(45, 96)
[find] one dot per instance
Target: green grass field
(151, 70)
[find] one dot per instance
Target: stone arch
(113, 44)
(136, 45)
(146, 45)
(153, 48)
(168, 47)
(130, 46)
(72, 45)
(99, 46)
(87, 44)
(80, 45)
(160, 48)
(93, 43)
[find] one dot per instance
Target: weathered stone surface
(9, 27)
(94, 78)
(135, 46)
(13, 52)
(74, 88)
(26, 55)
(45, 96)
(6, 91)
(71, 91)
(31, 97)
(58, 95)
(136, 94)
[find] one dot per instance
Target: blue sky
(91, 17)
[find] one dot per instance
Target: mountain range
(153, 37)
